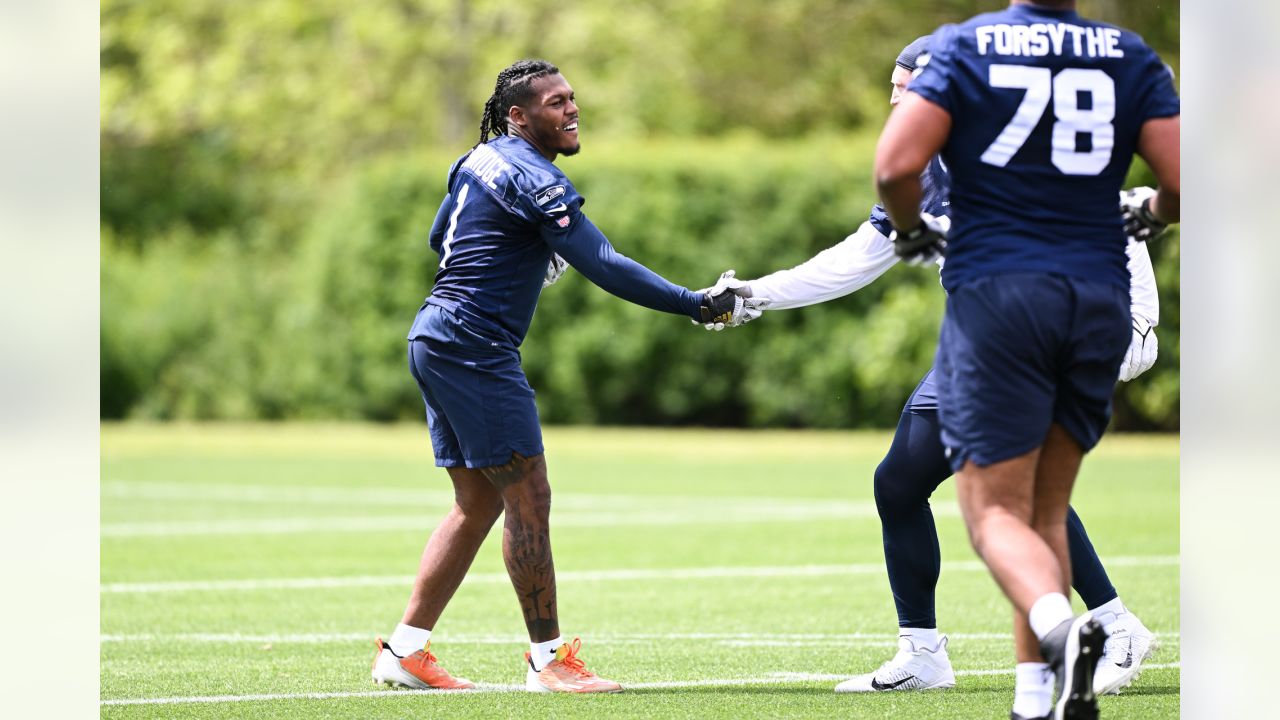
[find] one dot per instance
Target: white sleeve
(1143, 298)
(835, 272)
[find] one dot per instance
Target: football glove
(1135, 209)
(922, 245)
(736, 305)
(1141, 354)
(555, 269)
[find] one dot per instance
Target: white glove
(750, 308)
(1141, 354)
(555, 269)
(1135, 210)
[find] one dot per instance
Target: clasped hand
(730, 303)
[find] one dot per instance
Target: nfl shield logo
(563, 222)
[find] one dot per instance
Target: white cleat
(912, 668)
(1129, 644)
(419, 670)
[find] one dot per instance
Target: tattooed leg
(526, 541)
(452, 546)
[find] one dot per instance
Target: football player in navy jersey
(1037, 113)
(916, 464)
(508, 223)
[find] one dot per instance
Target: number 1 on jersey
(1064, 89)
(446, 248)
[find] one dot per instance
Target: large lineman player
(507, 213)
(916, 465)
(1037, 112)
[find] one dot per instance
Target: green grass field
(246, 571)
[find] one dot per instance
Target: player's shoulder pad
(555, 202)
(528, 183)
(540, 180)
(453, 171)
(944, 39)
(548, 194)
(942, 46)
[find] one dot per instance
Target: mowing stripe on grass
(732, 639)
(704, 573)
(773, 679)
(759, 513)
(661, 510)
(273, 494)
(383, 496)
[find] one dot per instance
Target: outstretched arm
(841, 269)
(589, 251)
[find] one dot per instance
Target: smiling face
(549, 121)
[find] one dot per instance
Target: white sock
(407, 640)
(1048, 613)
(1033, 689)
(544, 652)
(920, 637)
(1107, 613)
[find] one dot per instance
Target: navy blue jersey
(1046, 109)
(936, 185)
(507, 211)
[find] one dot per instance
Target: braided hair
(514, 87)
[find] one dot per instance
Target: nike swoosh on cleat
(877, 685)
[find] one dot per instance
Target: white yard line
(773, 679)
(572, 575)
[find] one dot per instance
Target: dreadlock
(513, 87)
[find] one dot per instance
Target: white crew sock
(1033, 690)
(1048, 613)
(407, 640)
(1107, 613)
(544, 652)
(921, 638)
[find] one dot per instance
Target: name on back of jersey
(1041, 39)
(486, 164)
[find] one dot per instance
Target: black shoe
(1073, 649)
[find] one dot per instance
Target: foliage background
(270, 169)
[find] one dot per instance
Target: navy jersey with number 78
(1046, 108)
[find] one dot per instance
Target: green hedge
(272, 324)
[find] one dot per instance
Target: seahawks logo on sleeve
(555, 202)
(551, 193)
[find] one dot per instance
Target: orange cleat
(567, 673)
(418, 670)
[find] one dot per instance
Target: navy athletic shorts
(1021, 351)
(480, 407)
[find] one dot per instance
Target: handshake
(730, 303)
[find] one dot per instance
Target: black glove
(719, 308)
(923, 244)
(1139, 222)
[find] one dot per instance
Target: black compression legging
(914, 466)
